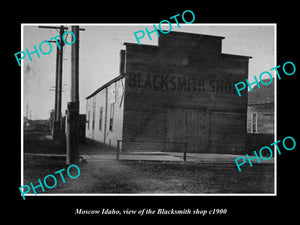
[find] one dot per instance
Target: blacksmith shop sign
(180, 83)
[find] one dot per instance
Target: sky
(99, 57)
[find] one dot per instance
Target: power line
(58, 79)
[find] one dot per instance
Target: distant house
(26, 123)
(260, 115)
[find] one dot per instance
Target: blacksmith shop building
(179, 91)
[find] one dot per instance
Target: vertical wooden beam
(75, 66)
(59, 81)
(118, 150)
(72, 133)
(185, 151)
(73, 106)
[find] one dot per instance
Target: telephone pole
(73, 106)
(56, 132)
(27, 111)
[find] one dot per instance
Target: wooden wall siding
(89, 106)
(265, 118)
(183, 90)
(94, 105)
(191, 46)
(227, 132)
(144, 123)
(206, 131)
(190, 126)
(114, 93)
(209, 92)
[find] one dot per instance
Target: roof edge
(141, 45)
(234, 55)
(179, 33)
(105, 85)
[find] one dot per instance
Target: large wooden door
(190, 126)
(175, 129)
(227, 132)
(197, 130)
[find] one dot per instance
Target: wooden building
(260, 118)
(179, 91)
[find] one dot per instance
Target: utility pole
(27, 110)
(58, 82)
(73, 106)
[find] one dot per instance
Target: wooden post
(57, 128)
(72, 133)
(55, 121)
(73, 106)
(118, 149)
(185, 150)
(75, 66)
(58, 91)
(59, 81)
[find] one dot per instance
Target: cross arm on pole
(51, 27)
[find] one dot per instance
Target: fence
(156, 142)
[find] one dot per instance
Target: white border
(147, 24)
(275, 110)
(22, 108)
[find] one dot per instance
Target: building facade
(260, 118)
(181, 91)
(105, 109)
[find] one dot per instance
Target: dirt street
(102, 176)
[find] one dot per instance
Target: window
(116, 91)
(254, 123)
(88, 121)
(93, 122)
(112, 105)
(100, 118)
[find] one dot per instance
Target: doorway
(190, 126)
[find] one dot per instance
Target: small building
(181, 91)
(260, 119)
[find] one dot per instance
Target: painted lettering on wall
(180, 83)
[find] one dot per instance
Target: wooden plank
(228, 132)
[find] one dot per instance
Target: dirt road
(105, 175)
(108, 176)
